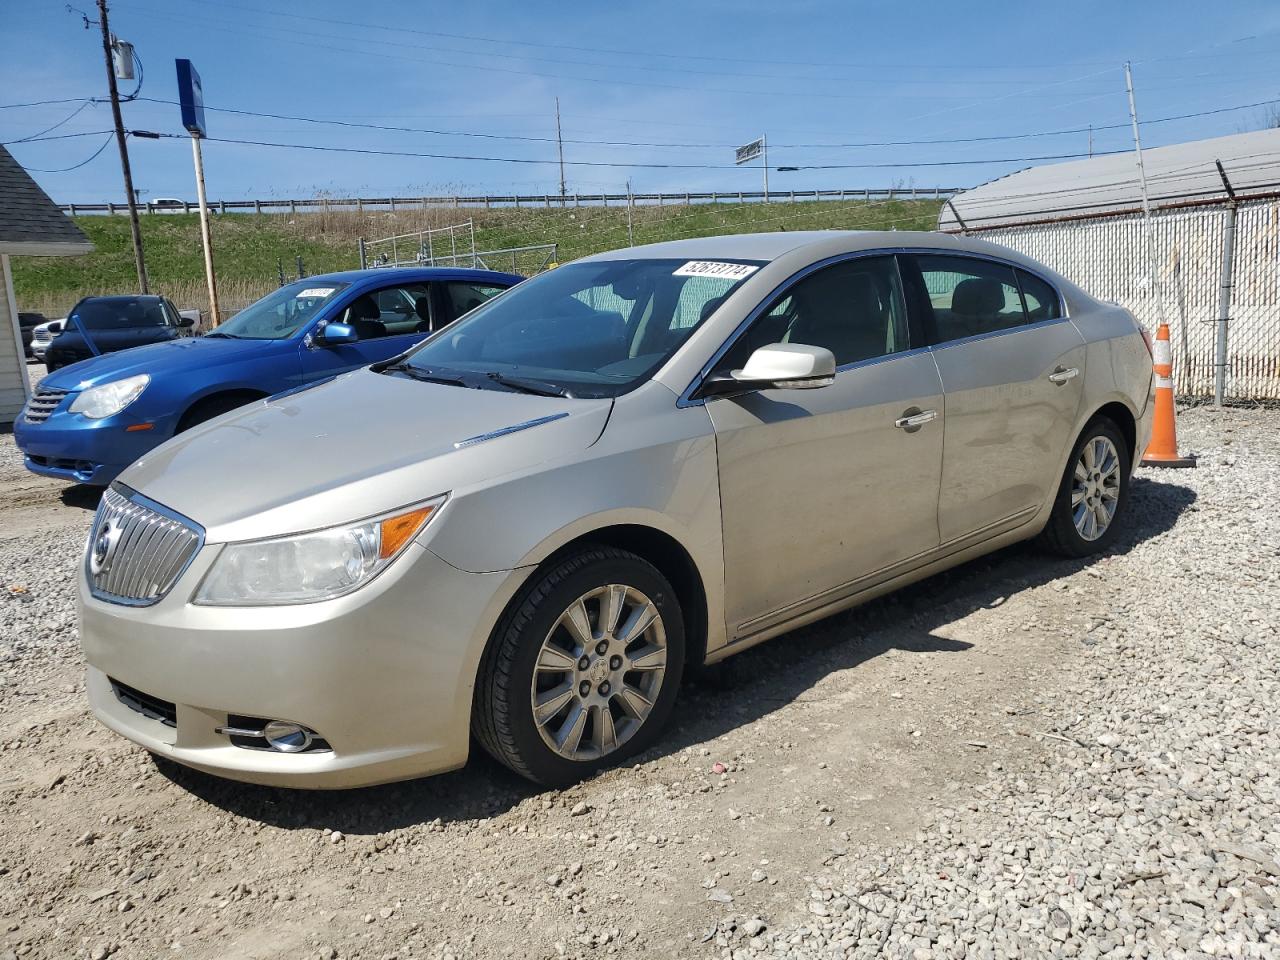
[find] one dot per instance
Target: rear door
(824, 491)
(1012, 370)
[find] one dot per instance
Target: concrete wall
(13, 365)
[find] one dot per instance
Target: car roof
(415, 273)
(123, 298)
(771, 246)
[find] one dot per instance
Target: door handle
(914, 421)
(1063, 374)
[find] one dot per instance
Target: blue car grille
(42, 404)
(137, 552)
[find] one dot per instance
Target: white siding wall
(13, 366)
(1107, 257)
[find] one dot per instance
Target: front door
(824, 491)
(1012, 370)
(388, 320)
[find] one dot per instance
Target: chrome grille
(138, 549)
(42, 403)
(42, 336)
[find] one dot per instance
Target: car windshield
(595, 329)
(282, 313)
(118, 313)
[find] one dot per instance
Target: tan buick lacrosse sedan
(525, 529)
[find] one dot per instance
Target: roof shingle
(29, 219)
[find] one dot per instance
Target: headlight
(311, 566)
(110, 398)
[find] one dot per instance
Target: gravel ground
(1023, 757)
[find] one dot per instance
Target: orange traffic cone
(1163, 449)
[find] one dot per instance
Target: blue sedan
(88, 421)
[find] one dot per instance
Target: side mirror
(333, 334)
(777, 366)
(186, 322)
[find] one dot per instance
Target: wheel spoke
(640, 620)
(570, 735)
(603, 732)
(611, 603)
(550, 703)
(1078, 494)
(553, 659)
(576, 621)
(1089, 460)
(648, 657)
(634, 702)
(1082, 472)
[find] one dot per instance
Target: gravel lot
(1024, 757)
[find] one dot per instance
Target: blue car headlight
(110, 398)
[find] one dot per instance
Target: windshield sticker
(315, 292)
(712, 268)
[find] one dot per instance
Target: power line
(652, 166)
(40, 136)
(93, 156)
(42, 103)
(687, 145)
(400, 30)
(59, 136)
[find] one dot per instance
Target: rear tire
(583, 668)
(1093, 493)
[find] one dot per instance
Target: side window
(970, 296)
(855, 309)
(1041, 300)
(462, 298)
(390, 312)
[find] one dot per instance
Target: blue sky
(812, 75)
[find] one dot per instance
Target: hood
(359, 445)
(172, 357)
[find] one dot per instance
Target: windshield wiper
(225, 336)
(541, 388)
(418, 373)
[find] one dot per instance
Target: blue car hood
(172, 358)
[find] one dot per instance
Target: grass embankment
(246, 246)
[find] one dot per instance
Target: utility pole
(560, 147)
(764, 159)
(631, 240)
(134, 228)
(207, 241)
(1157, 287)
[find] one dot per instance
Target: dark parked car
(28, 323)
(98, 325)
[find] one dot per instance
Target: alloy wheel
(1095, 488)
(599, 672)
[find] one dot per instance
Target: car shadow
(81, 495)
(751, 685)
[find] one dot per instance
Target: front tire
(583, 669)
(1093, 493)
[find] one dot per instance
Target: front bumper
(69, 447)
(384, 675)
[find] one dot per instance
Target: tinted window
(970, 296)
(390, 311)
(116, 313)
(1040, 298)
(462, 298)
(597, 328)
(281, 313)
(854, 309)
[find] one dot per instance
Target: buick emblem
(104, 546)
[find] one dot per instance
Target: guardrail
(548, 200)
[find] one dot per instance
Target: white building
(30, 225)
(1084, 219)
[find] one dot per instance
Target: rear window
(120, 314)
